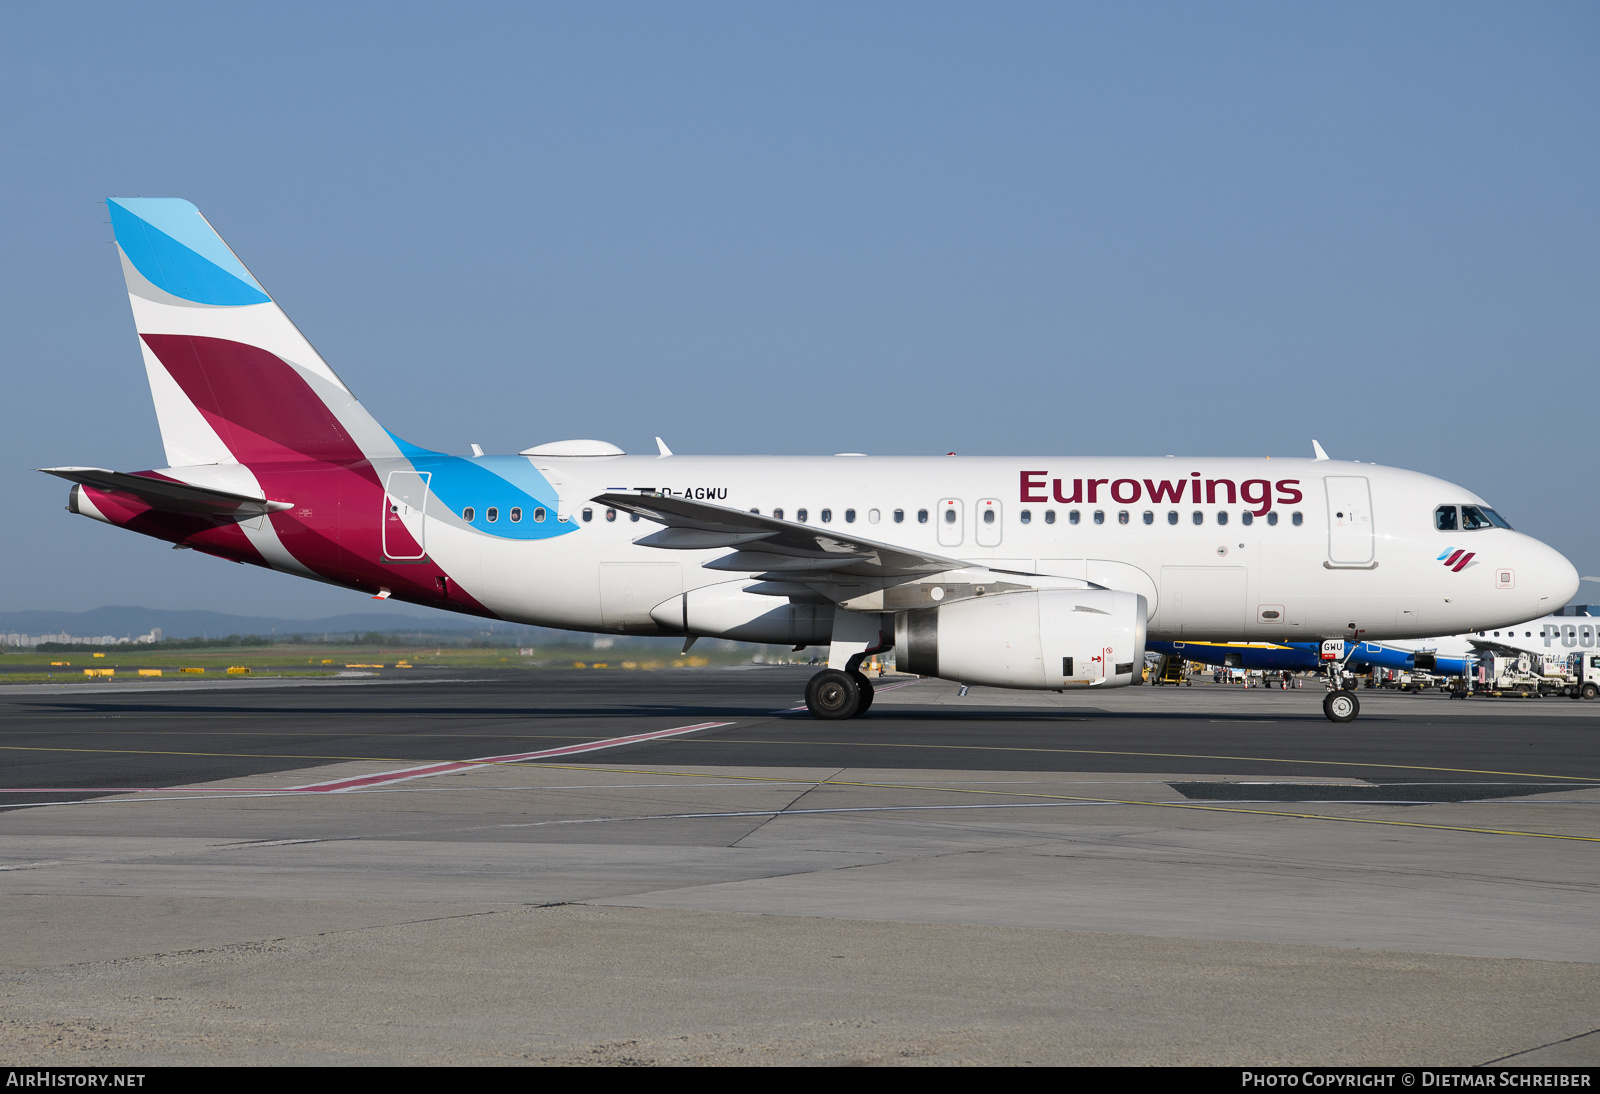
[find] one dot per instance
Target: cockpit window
(1444, 518)
(1495, 518)
(1474, 517)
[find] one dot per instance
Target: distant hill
(130, 622)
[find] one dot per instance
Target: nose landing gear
(1341, 705)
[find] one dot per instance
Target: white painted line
(383, 778)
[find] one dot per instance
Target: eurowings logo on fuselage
(1457, 560)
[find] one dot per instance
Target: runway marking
(1068, 798)
(425, 771)
(1164, 756)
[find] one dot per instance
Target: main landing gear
(833, 694)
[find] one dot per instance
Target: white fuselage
(1332, 548)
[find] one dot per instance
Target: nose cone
(1549, 576)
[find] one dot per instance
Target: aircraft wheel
(865, 686)
(832, 695)
(1341, 706)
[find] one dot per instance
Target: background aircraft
(1575, 627)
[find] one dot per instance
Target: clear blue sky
(891, 228)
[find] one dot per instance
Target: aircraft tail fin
(232, 378)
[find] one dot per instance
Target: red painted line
(1462, 564)
(384, 777)
(1451, 560)
(145, 790)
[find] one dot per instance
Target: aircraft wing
(1489, 645)
(776, 548)
(170, 495)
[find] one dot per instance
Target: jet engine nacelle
(1043, 638)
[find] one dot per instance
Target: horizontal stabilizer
(171, 496)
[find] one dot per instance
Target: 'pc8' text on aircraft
(1038, 572)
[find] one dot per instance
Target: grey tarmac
(950, 880)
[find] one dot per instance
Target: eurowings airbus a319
(1038, 572)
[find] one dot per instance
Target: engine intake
(1042, 638)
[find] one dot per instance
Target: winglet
(662, 445)
(1317, 448)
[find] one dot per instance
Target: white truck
(1576, 675)
(1580, 678)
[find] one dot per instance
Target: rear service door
(405, 504)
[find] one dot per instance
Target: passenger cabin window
(538, 515)
(588, 515)
(1049, 516)
(1296, 519)
(827, 516)
(922, 516)
(849, 516)
(611, 514)
(492, 514)
(1072, 517)
(634, 517)
(1444, 518)
(1099, 516)
(1199, 517)
(1172, 516)
(1272, 518)
(777, 514)
(1149, 517)
(899, 516)
(1222, 517)
(949, 516)
(1122, 516)
(516, 515)
(988, 516)
(800, 515)
(467, 514)
(1027, 517)
(1247, 517)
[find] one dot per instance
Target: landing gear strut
(842, 690)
